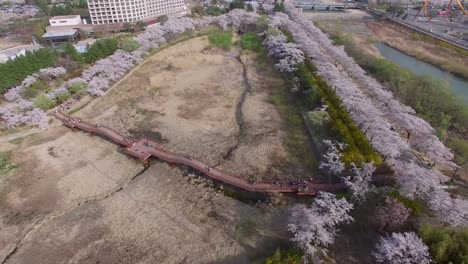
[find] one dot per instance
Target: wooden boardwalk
(146, 148)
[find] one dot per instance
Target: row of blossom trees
(394, 130)
(381, 117)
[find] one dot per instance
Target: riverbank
(457, 85)
(432, 101)
(414, 45)
(365, 30)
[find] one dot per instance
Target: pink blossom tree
(288, 54)
(314, 228)
(402, 248)
(332, 159)
(360, 182)
(392, 214)
(450, 209)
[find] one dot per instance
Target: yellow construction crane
(426, 2)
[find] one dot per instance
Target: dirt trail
(239, 112)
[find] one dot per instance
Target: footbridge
(145, 148)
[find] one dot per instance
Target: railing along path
(146, 148)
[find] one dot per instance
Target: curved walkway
(146, 148)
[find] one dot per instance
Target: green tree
(45, 103)
(78, 88)
(214, 11)
(198, 10)
(237, 4)
(101, 49)
(39, 29)
(128, 44)
(82, 4)
(43, 7)
(446, 245)
(289, 257)
(139, 25)
(62, 97)
(70, 50)
(163, 19)
(127, 27)
(279, 7)
(14, 71)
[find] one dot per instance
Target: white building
(121, 11)
(12, 53)
(71, 20)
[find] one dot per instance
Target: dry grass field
(74, 198)
(188, 94)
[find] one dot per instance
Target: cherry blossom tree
(314, 228)
(37, 117)
(14, 94)
(416, 180)
(402, 248)
(360, 182)
(392, 214)
(450, 209)
(52, 73)
(288, 54)
(332, 159)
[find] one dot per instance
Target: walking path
(146, 148)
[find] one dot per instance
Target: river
(458, 85)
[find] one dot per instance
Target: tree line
(14, 71)
(98, 50)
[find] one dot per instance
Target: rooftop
(64, 33)
(65, 17)
(15, 50)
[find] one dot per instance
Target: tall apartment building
(120, 11)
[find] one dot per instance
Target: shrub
(460, 148)
(62, 96)
(129, 44)
(214, 11)
(43, 102)
(284, 257)
(415, 205)
(163, 19)
(446, 245)
(5, 164)
(101, 49)
(78, 88)
(29, 92)
(318, 117)
(221, 39)
(251, 41)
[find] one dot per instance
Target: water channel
(458, 85)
